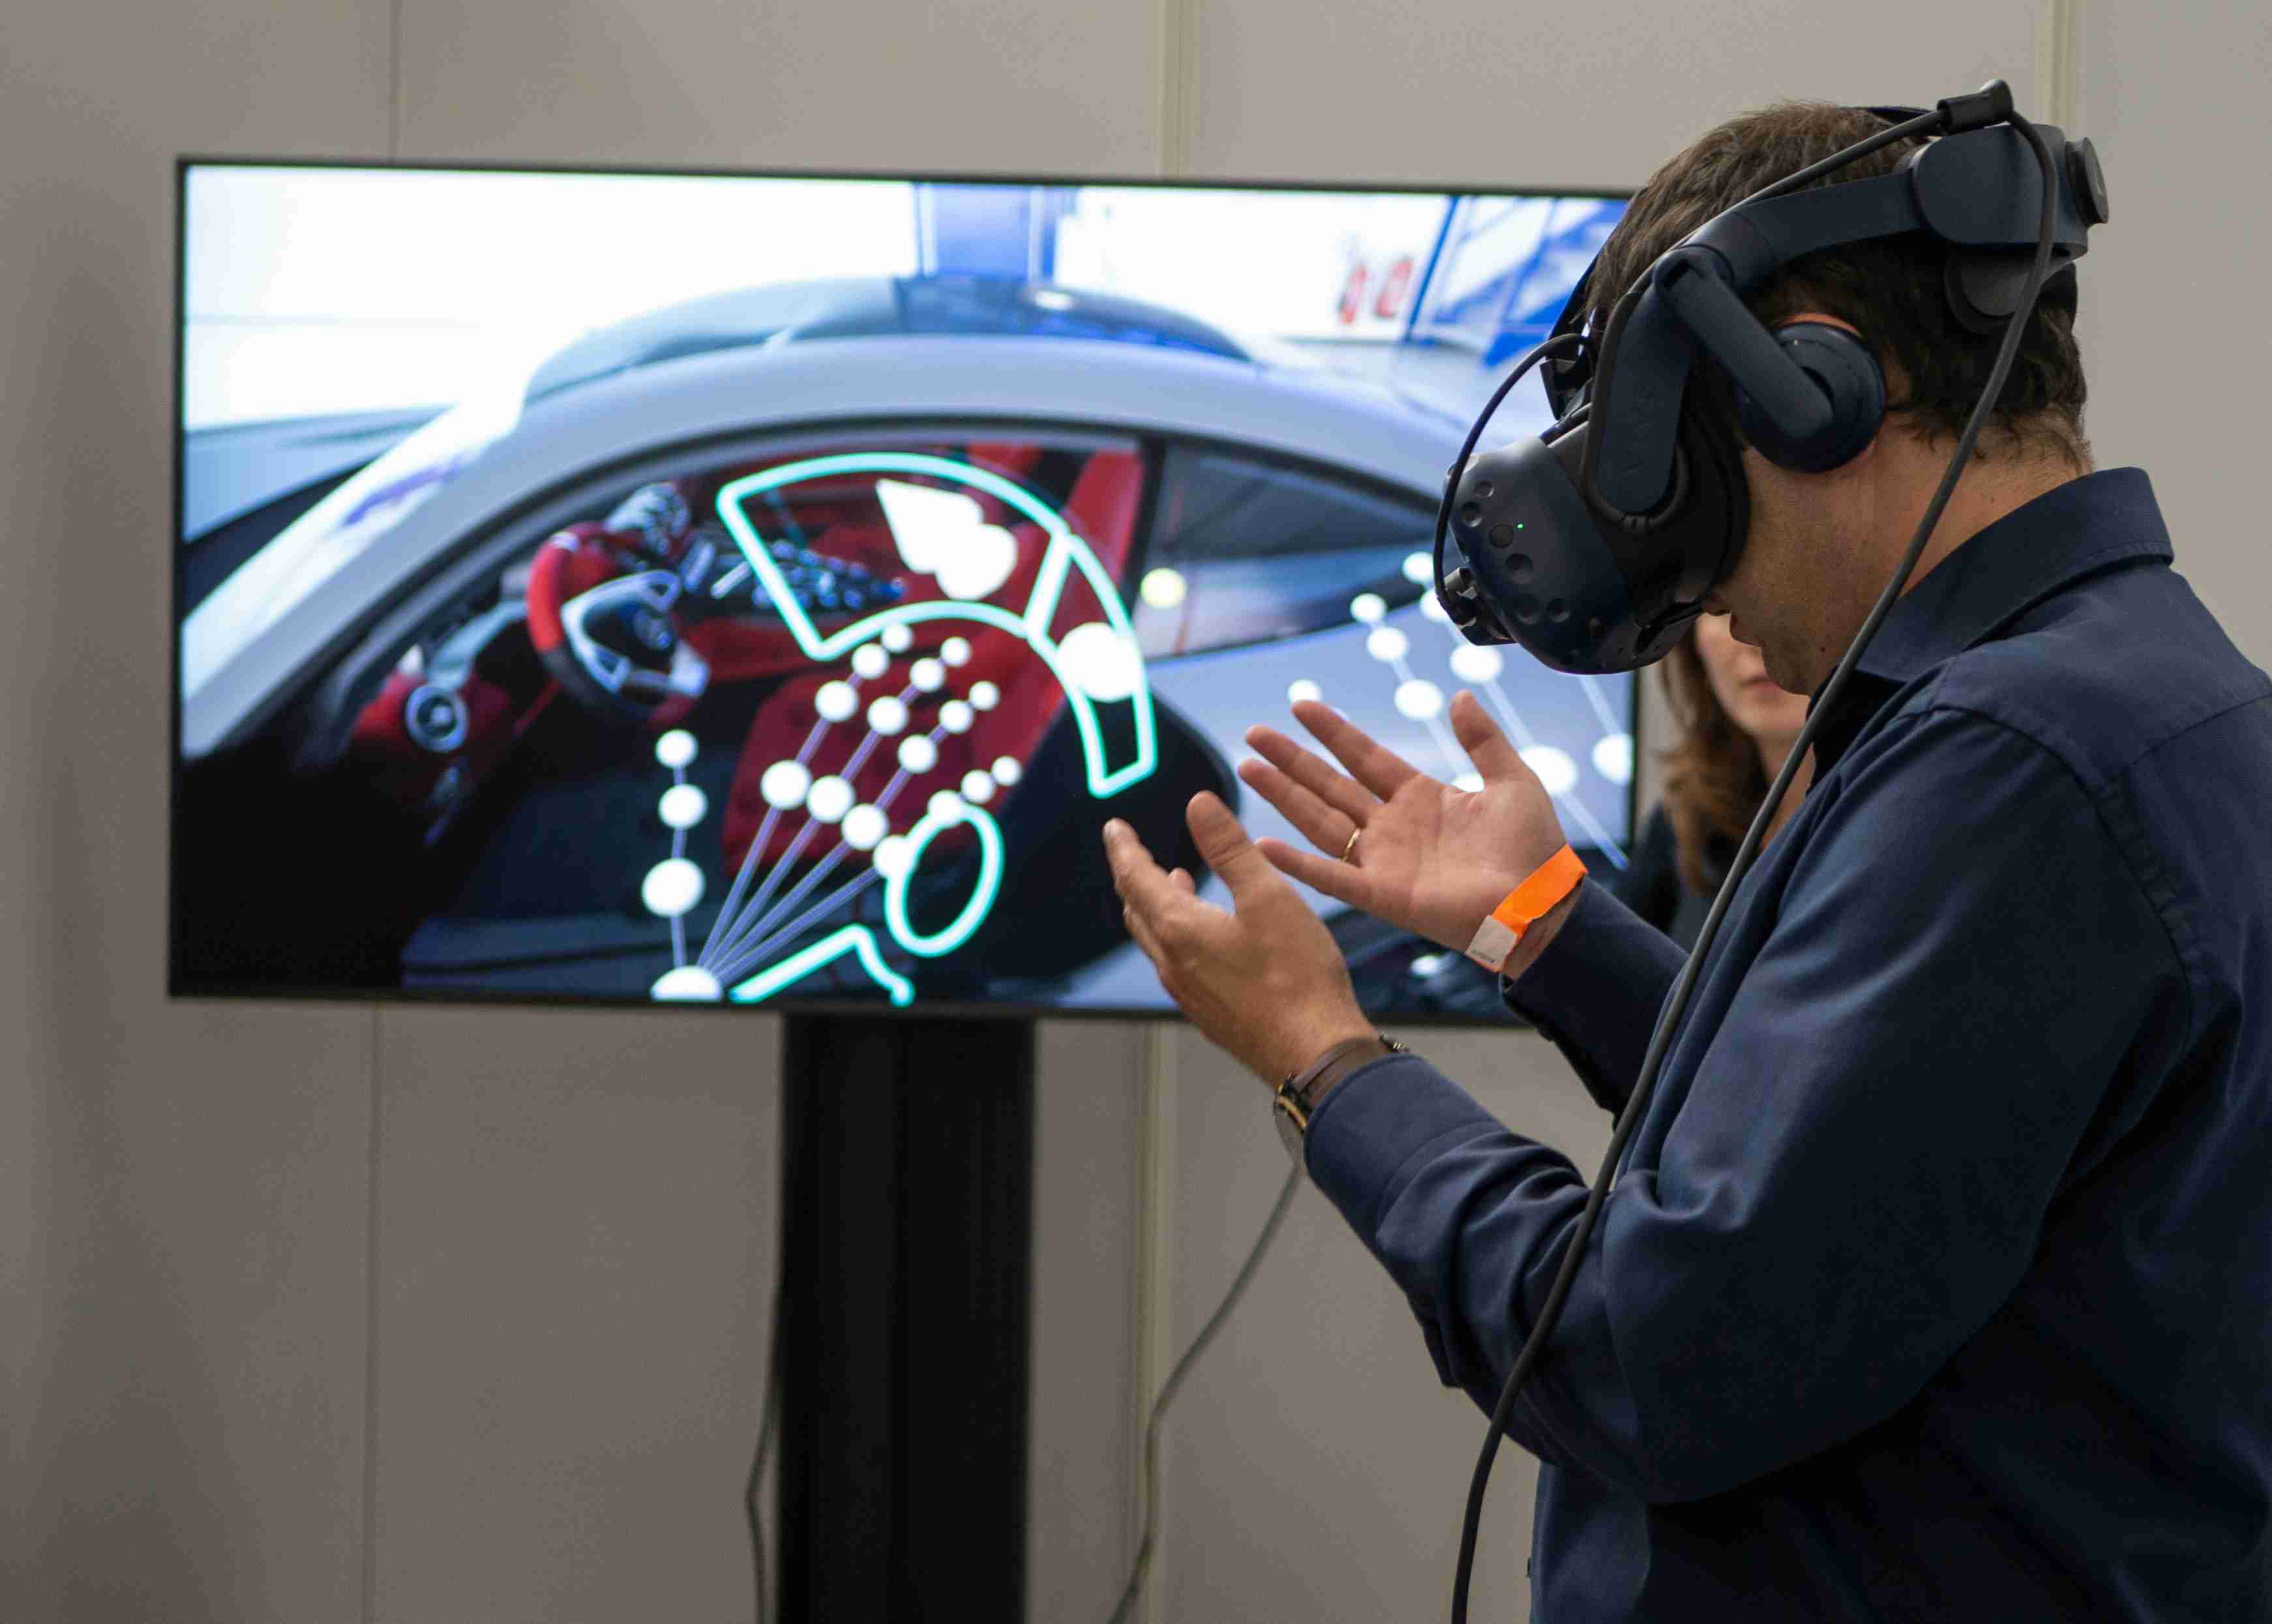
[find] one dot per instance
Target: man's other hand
(1431, 858)
(1266, 982)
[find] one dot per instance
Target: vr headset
(1593, 544)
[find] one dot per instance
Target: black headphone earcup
(1847, 374)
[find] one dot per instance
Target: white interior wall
(317, 1312)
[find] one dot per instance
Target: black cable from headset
(1238, 1284)
(1676, 1003)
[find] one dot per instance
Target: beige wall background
(320, 1313)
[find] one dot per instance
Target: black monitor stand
(906, 1262)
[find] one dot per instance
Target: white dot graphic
(1420, 569)
(784, 785)
(1007, 770)
(955, 716)
(1300, 688)
(1471, 662)
(864, 826)
(1471, 782)
(1368, 607)
(675, 749)
(887, 715)
(869, 662)
(1102, 663)
(978, 787)
(985, 695)
(829, 799)
(917, 753)
(928, 676)
(890, 858)
(946, 805)
(1419, 699)
(688, 984)
(836, 702)
(1613, 757)
(1554, 768)
(899, 639)
(671, 887)
(683, 805)
(1387, 644)
(956, 652)
(1162, 589)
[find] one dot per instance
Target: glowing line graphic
(933, 823)
(857, 939)
(1065, 551)
(835, 899)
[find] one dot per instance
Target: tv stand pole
(906, 1221)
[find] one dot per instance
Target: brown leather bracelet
(1300, 1095)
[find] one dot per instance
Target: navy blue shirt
(1939, 1281)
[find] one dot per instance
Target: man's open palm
(1429, 858)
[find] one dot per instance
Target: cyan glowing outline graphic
(1067, 552)
(854, 939)
(927, 829)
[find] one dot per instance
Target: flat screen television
(759, 589)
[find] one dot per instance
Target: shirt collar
(2038, 548)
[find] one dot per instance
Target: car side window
(1244, 549)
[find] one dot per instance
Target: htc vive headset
(1593, 544)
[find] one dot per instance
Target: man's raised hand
(1428, 858)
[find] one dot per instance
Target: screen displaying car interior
(760, 590)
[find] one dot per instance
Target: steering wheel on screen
(604, 616)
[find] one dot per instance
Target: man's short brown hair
(1890, 289)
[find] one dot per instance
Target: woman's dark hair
(1713, 780)
(1890, 290)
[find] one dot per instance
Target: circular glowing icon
(899, 639)
(1471, 662)
(683, 805)
(1387, 644)
(1555, 769)
(1471, 782)
(829, 799)
(863, 826)
(1613, 757)
(1432, 608)
(671, 887)
(1420, 569)
(887, 715)
(1368, 607)
(869, 662)
(1162, 589)
(784, 783)
(892, 855)
(676, 749)
(689, 984)
(944, 805)
(955, 651)
(917, 753)
(955, 716)
(985, 695)
(977, 786)
(836, 702)
(1419, 699)
(1006, 772)
(1300, 688)
(1100, 662)
(928, 676)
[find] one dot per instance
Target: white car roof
(264, 627)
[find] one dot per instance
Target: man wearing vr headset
(1937, 1279)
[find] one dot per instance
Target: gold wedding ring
(1348, 852)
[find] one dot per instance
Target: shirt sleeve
(1845, 1173)
(1595, 991)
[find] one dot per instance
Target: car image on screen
(795, 642)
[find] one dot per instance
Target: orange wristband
(1525, 906)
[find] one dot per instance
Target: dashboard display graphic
(750, 589)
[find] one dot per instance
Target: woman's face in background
(1740, 681)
